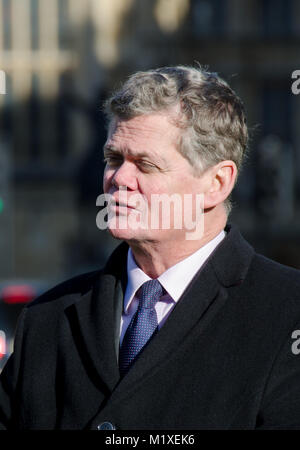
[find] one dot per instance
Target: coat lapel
(95, 320)
(96, 316)
(196, 308)
(199, 304)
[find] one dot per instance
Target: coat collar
(232, 257)
(96, 315)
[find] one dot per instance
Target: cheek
(107, 176)
(150, 187)
(166, 186)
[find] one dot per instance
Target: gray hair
(212, 115)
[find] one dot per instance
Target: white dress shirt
(174, 280)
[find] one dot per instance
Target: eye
(113, 160)
(145, 166)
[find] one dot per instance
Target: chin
(123, 235)
(126, 234)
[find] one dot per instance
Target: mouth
(122, 205)
(119, 207)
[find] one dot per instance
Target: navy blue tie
(142, 326)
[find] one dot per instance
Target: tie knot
(149, 293)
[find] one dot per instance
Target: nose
(125, 175)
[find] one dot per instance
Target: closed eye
(113, 160)
(145, 165)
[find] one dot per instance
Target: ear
(222, 178)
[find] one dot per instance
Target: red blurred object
(18, 294)
(2, 344)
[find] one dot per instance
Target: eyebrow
(110, 148)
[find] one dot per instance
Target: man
(179, 330)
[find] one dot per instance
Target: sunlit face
(142, 159)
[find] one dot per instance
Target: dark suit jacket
(222, 360)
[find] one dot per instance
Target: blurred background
(61, 58)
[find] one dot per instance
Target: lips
(121, 205)
(120, 208)
(123, 199)
(116, 201)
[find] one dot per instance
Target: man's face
(141, 160)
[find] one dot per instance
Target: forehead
(143, 133)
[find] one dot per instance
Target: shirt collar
(176, 278)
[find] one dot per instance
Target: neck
(155, 257)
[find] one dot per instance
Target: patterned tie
(142, 326)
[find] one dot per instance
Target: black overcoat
(226, 358)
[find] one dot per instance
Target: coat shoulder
(272, 271)
(274, 285)
(68, 290)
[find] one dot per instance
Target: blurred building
(62, 56)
